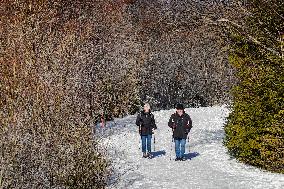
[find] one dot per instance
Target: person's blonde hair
(147, 105)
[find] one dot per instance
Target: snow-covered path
(208, 165)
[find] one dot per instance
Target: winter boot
(149, 155)
(145, 155)
(177, 159)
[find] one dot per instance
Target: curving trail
(208, 165)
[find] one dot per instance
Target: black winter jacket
(181, 125)
(146, 122)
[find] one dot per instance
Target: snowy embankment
(208, 165)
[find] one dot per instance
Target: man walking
(181, 124)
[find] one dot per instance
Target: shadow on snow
(158, 153)
(191, 155)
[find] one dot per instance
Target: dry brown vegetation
(63, 63)
(184, 49)
(47, 99)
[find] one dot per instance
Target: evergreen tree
(255, 128)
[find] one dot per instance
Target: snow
(208, 165)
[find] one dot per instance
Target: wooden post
(102, 120)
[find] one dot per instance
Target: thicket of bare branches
(184, 50)
(48, 96)
(168, 51)
(64, 63)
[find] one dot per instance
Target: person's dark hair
(179, 106)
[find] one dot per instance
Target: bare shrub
(46, 104)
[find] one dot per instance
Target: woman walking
(146, 123)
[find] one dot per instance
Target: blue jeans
(146, 142)
(180, 147)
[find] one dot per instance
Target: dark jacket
(146, 123)
(181, 125)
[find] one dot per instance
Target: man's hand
(187, 131)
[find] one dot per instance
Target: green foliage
(255, 128)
